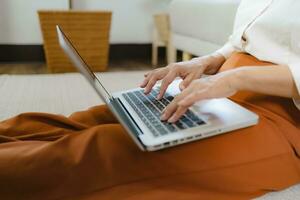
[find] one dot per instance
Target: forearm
(274, 80)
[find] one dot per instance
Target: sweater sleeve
(295, 70)
(227, 50)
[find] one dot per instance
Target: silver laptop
(140, 113)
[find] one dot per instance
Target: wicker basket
(88, 31)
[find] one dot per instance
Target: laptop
(140, 114)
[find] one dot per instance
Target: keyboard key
(192, 116)
(155, 92)
(179, 124)
(169, 126)
(200, 122)
(170, 98)
(188, 122)
(165, 102)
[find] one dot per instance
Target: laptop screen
(81, 65)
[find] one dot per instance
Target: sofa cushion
(209, 21)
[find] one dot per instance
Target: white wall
(132, 19)
(19, 22)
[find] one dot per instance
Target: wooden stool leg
(171, 53)
(155, 44)
(154, 54)
(186, 56)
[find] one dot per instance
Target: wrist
(201, 62)
(215, 61)
(237, 79)
(211, 63)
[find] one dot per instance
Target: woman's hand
(188, 71)
(216, 86)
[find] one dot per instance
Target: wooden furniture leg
(186, 56)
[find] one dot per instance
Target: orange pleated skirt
(90, 156)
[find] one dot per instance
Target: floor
(40, 68)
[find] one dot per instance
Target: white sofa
(200, 27)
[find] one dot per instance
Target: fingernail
(163, 117)
(171, 120)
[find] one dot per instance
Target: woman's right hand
(188, 71)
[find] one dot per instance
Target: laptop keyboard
(149, 109)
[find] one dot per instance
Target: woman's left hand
(216, 86)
